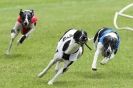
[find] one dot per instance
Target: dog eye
(113, 46)
(23, 17)
(106, 45)
(29, 17)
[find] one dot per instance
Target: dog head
(26, 16)
(80, 37)
(109, 44)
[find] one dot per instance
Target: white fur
(57, 59)
(17, 28)
(26, 20)
(99, 49)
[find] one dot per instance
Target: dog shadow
(60, 83)
(72, 82)
(12, 56)
(84, 78)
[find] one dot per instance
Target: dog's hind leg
(58, 66)
(51, 63)
(60, 71)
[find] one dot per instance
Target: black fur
(65, 69)
(80, 37)
(13, 31)
(112, 42)
(22, 39)
(23, 14)
(99, 33)
(64, 34)
(66, 45)
(66, 56)
(107, 41)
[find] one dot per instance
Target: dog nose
(108, 53)
(84, 38)
(25, 23)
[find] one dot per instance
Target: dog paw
(102, 63)
(94, 69)
(7, 52)
(40, 75)
(50, 83)
(18, 43)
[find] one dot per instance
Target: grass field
(20, 69)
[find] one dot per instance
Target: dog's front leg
(51, 63)
(60, 71)
(23, 37)
(104, 61)
(14, 33)
(10, 45)
(95, 61)
(32, 29)
(21, 40)
(98, 51)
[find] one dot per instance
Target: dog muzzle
(83, 40)
(107, 54)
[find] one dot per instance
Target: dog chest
(72, 47)
(69, 50)
(68, 46)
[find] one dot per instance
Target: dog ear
(32, 12)
(21, 12)
(85, 33)
(77, 34)
(106, 41)
(114, 43)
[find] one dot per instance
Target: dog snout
(25, 23)
(84, 38)
(108, 53)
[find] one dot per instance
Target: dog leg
(58, 66)
(14, 33)
(104, 61)
(56, 75)
(21, 40)
(51, 63)
(13, 36)
(62, 70)
(9, 48)
(95, 60)
(112, 55)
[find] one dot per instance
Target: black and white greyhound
(25, 24)
(106, 42)
(69, 49)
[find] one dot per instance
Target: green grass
(19, 69)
